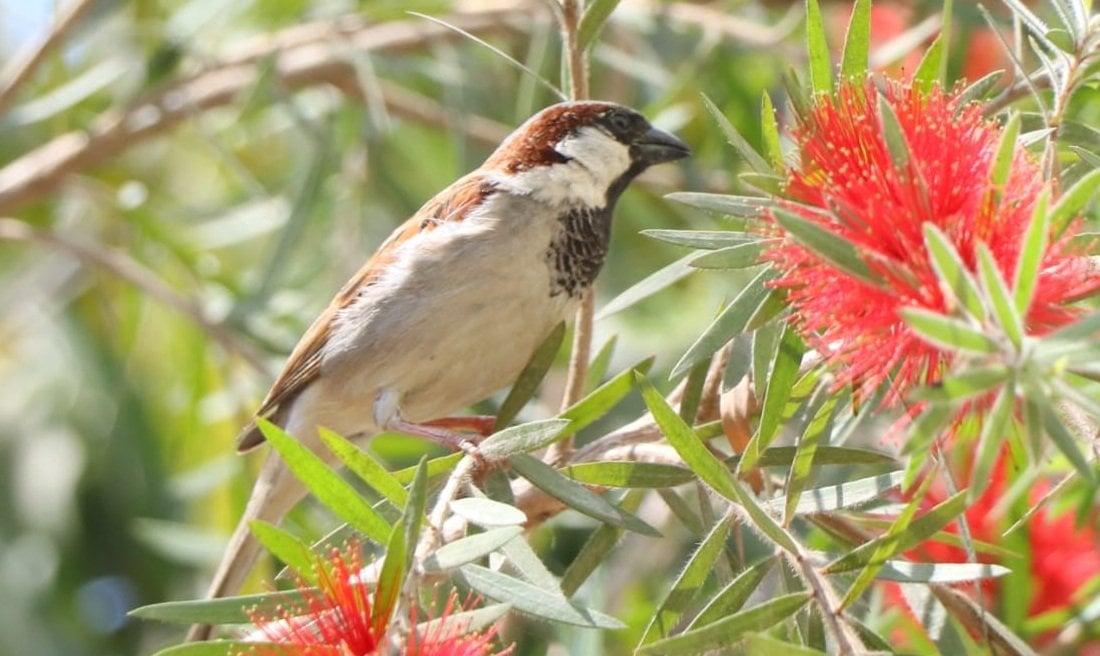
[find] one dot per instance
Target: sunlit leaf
(729, 629)
(857, 43)
(533, 600)
(528, 382)
(821, 73)
(753, 158)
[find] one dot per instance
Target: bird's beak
(657, 146)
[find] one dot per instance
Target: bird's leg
(481, 424)
(387, 416)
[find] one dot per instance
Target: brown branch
(20, 68)
(317, 58)
(128, 269)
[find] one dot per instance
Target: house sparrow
(451, 306)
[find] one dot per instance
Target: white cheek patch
(595, 161)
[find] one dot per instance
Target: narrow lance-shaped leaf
(1032, 249)
(753, 158)
(227, 610)
(843, 495)
(857, 44)
(1006, 151)
(731, 322)
(994, 427)
(894, 135)
(336, 493)
(470, 548)
(369, 470)
(928, 70)
(728, 630)
(629, 474)
(650, 285)
(697, 456)
(1073, 202)
(528, 382)
(595, 15)
(574, 495)
(769, 129)
(693, 576)
(1065, 441)
(218, 648)
(784, 370)
(533, 600)
(521, 439)
(821, 74)
(703, 239)
(597, 403)
(835, 249)
(285, 546)
(951, 270)
(595, 549)
(947, 332)
(802, 467)
(1000, 296)
(739, 206)
(731, 598)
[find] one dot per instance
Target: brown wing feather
(304, 364)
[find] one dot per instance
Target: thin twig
(122, 265)
(570, 18)
(20, 68)
(309, 63)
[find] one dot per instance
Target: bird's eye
(620, 123)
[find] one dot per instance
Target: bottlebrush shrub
(876, 170)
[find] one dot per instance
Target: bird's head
(581, 153)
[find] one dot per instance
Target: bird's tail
(275, 493)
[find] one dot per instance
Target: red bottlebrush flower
(848, 183)
(340, 618)
(1063, 558)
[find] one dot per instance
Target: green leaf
(521, 439)
(597, 547)
(529, 380)
(751, 157)
(783, 456)
(1006, 152)
(967, 383)
(470, 548)
(844, 495)
(894, 135)
(728, 630)
(838, 251)
(904, 571)
(597, 369)
(1064, 440)
(748, 207)
(733, 596)
(488, 513)
(1073, 201)
(730, 323)
(769, 184)
(697, 456)
(947, 332)
(760, 643)
(400, 551)
(978, 89)
(226, 610)
(704, 239)
(906, 536)
(331, 490)
(769, 129)
(595, 15)
(533, 600)
(285, 546)
(857, 44)
(802, 467)
(783, 372)
(930, 69)
(576, 496)
(1000, 296)
(821, 74)
(733, 257)
(1032, 249)
(628, 474)
(529, 566)
(369, 470)
(952, 271)
(594, 406)
(697, 570)
(650, 285)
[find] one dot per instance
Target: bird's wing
(304, 364)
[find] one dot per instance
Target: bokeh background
(184, 185)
